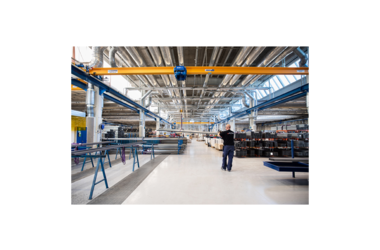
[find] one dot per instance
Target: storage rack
(257, 144)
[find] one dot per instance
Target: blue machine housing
(180, 73)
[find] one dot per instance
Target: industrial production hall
(189, 125)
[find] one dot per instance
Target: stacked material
(219, 144)
(259, 152)
(270, 153)
(284, 152)
(301, 153)
(238, 144)
(251, 144)
(240, 135)
(110, 134)
(257, 135)
(282, 135)
(302, 127)
(213, 142)
(269, 135)
(250, 153)
(273, 128)
(291, 127)
(270, 144)
(299, 144)
(120, 132)
(241, 153)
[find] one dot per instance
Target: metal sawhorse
(151, 146)
(100, 160)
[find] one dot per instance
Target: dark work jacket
(228, 137)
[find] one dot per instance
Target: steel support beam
(105, 88)
(270, 103)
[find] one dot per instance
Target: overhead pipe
(112, 61)
(284, 54)
(96, 62)
(212, 61)
(302, 56)
(130, 63)
(273, 55)
(169, 63)
(244, 52)
(250, 59)
(156, 55)
(138, 59)
(182, 63)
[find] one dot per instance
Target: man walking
(228, 149)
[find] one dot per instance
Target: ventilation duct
(90, 100)
(97, 57)
(96, 62)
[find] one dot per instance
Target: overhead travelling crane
(192, 70)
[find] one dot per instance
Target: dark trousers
(228, 150)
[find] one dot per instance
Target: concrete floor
(195, 177)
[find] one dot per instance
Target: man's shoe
(223, 168)
(229, 170)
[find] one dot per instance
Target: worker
(229, 148)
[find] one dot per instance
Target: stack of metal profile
(240, 135)
(251, 144)
(270, 153)
(299, 144)
(292, 135)
(237, 144)
(259, 152)
(256, 135)
(282, 144)
(291, 127)
(284, 152)
(282, 135)
(302, 127)
(250, 153)
(241, 153)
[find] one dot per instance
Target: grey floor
(195, 177)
